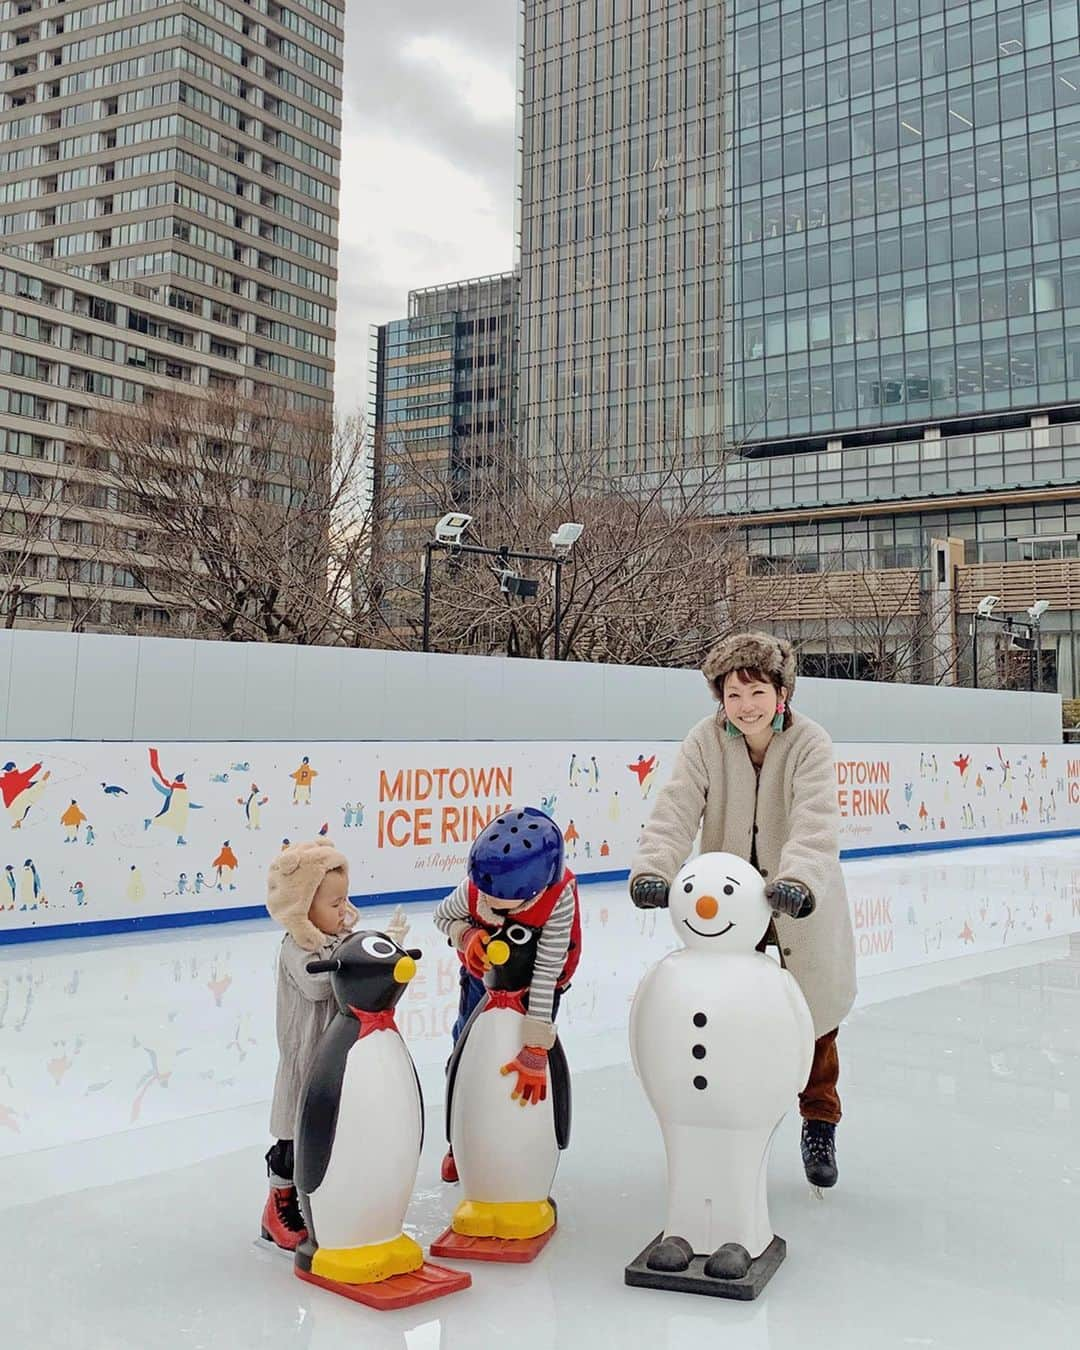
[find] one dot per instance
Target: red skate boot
(449, 1167)
(282, 1222)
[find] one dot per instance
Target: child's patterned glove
(791, 898)
(531, 1069)
(473, 949)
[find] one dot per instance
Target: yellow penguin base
(368, 1265)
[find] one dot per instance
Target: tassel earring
(778, 720)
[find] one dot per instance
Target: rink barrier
(146, 923)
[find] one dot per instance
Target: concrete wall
(93, 687)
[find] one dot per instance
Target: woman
(758, 781)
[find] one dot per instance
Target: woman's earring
(731, 729)
(778, 720)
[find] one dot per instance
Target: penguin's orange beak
(404, 970)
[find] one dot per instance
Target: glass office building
(903, 213)
(620, 231)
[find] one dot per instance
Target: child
(516, 867)
(307, 893)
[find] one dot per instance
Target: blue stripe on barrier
(145, 923)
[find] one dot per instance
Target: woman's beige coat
(793, 807)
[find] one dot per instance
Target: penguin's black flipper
(452, 1063)
(419, 1099)
(559, 1075)
(317, 1122)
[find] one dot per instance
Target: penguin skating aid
(506, 1150)
(359, 1136)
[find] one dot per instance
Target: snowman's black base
(695, 1281)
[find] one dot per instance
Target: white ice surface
(133, 1083)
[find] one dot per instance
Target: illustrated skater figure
(30, 890)
(71, 820)
(303, 777)
(20, 789)
(758, 780)
(253, 805)
(174, 811)
(645, 771)
(226, 861)
(307, 893)
(530, 882)
(89, 834)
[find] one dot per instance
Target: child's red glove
(531, 1069)
(474, 952)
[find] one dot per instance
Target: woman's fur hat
(294, 877)
(772, 656)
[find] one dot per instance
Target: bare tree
(252, 519)
(879, 618)
(49, 545)
(650, 582)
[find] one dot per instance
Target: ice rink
(134, 1083)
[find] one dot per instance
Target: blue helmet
(517, 856)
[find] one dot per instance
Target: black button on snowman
(718, 1125)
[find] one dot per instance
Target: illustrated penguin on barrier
(507, 1151)
(722, 1040)
(359, 1136)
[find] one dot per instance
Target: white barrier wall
(119, 835)
(65, 686)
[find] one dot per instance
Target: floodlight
(1038, 609)
(987, 604)
(451, 528)
(566, 536)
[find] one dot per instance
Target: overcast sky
(427, 169)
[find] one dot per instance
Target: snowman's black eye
(688, 887)
(729, 890)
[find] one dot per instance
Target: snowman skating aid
(359, 1136)
(722, 1041)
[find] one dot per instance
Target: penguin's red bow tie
(505, 998)
(373, 1021)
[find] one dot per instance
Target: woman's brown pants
(819, 1100)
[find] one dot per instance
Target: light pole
(448, 534)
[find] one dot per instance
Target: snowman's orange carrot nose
(706, 907)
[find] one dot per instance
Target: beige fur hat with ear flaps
(295, 875)
(772, 656)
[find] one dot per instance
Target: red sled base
(399, 1291)
(520, 1251)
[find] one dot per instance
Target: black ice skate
(819, 1153)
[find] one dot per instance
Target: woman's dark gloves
(649, 892)
(791, 898)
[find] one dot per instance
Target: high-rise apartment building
(169, 177)
(863, 216)
(442, 409)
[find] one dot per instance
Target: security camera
(1038, 609)
(566, 536)
(987, 604)
(525, 588)
(451, 528)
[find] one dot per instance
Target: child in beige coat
(307, 892)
